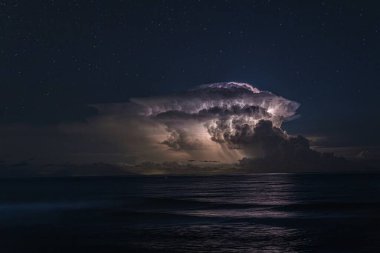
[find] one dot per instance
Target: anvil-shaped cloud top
(230, 86)
(221, 99)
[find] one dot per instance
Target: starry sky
(59, 56)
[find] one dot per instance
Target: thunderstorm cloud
(225, 113)
(226, 123)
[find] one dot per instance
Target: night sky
(57, 57)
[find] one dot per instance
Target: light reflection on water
(236, 237)
(246, 213)
(262, 194)
(256, 213)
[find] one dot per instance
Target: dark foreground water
(254, 213)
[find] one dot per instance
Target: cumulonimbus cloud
(228, 112)
(226, 122)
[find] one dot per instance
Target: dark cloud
(283, 153)
(263, 136)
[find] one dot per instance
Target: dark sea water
(249, 213)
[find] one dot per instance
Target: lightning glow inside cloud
(226, 113)
(230, 122)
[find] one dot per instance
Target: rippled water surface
(249, 213)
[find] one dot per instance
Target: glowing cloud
(190, 132)
(227, 112)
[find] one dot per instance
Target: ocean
(240, 213)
